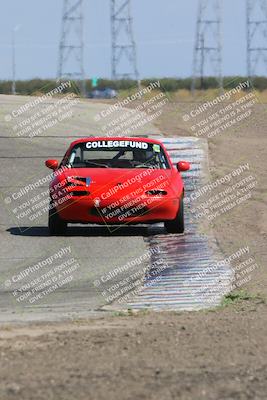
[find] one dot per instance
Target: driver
(142, 156)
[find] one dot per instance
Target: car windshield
(117, 154)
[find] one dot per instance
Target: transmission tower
(208, 44)
(256, 35)
(71, 45)
(123, 59)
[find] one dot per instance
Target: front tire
(56, 225)
(177, 224)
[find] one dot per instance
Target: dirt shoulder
(204, 355)
(218, 354)
(246, 143)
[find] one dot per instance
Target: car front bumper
(149, 209)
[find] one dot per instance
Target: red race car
(115, 181)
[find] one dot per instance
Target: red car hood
(102, 180)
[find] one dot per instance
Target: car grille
(118, 212)
(79, 193)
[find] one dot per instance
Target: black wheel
(56, 225)
(177, 224)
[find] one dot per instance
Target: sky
(164, 32)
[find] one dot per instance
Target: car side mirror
(52, 164)
(183, 166)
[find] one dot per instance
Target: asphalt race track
(90, 253)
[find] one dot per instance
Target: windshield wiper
(139, 164)
(94, 163)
